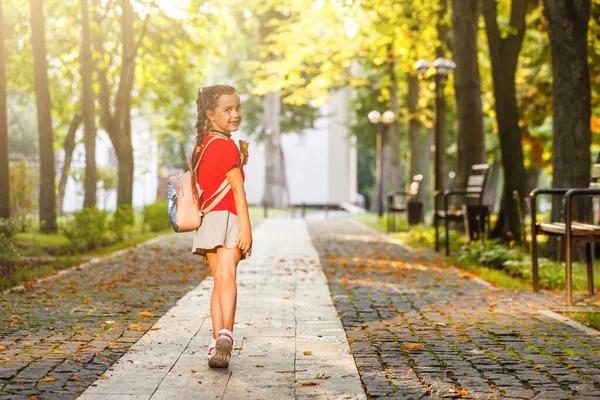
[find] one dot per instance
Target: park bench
(400, 202)
(472, 211)
(570, 230)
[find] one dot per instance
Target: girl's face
(227, 115)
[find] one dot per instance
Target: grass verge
(590, 319)
(28, 270)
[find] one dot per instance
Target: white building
(320, 163)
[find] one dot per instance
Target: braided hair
(207, 100)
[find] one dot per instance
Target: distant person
(225, 235)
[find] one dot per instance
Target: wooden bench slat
(596, 171)
(476, 180)
(578, 229)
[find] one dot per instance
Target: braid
(207, 100)
(202, 119)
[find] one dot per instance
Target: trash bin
(415, 212)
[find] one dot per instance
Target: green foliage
(491, 253)
(424, 236)
(155, 216)
(86, 229)
(9, 227)
(23, 179)
(8, 254)
(122, 221)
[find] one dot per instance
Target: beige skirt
(218, 229)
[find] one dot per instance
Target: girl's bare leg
(215, 308)
(225, 279)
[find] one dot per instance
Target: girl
(225, 236)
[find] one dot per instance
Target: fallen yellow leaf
(48, 379)
(414, 346)
(145, 314)
(74, 378)
(309, 384)
(102, 377)
(307, 353)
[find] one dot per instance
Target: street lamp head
(374, 117)
(422, 66)
(443, 66)
(388, 117)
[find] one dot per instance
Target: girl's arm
(244, 240)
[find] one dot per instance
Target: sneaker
(223, 350)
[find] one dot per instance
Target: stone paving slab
(290, 342)
(420, 328)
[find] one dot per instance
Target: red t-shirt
(220, 157)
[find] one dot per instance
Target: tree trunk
(276, 190)
(441, 176)
(396, 176)
(88, 110)
(68, 147)
(4, 170)
(469, 118)
(568, 25)
(504, 53)
(43, 103)
(418, 162)
(122, 115)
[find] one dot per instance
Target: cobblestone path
(56, 338)
(419, 328)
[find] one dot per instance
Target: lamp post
(443, 68)
(377, 119)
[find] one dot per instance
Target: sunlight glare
(174, 9)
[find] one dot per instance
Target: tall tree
(276, 190)
(43, 103)
(419, 160)
(568, 25)
(505, 46)
(396, 176)
(117, 123)
(4, 169)
(88, 113)
(68, 147)
(469, 117)
(441, 50)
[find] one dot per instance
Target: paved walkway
(405, 325)
(421, 328)
(290, 342)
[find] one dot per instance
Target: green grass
(28, 274)
(591, 319)
(36, 244)
(372, 220)
(495, 276)
(50, 243)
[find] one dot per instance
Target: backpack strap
(201, 154)
(220, 193)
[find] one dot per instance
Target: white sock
(226, 331)
(213, 343)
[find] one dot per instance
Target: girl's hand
(244, 241)
(245, 159)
